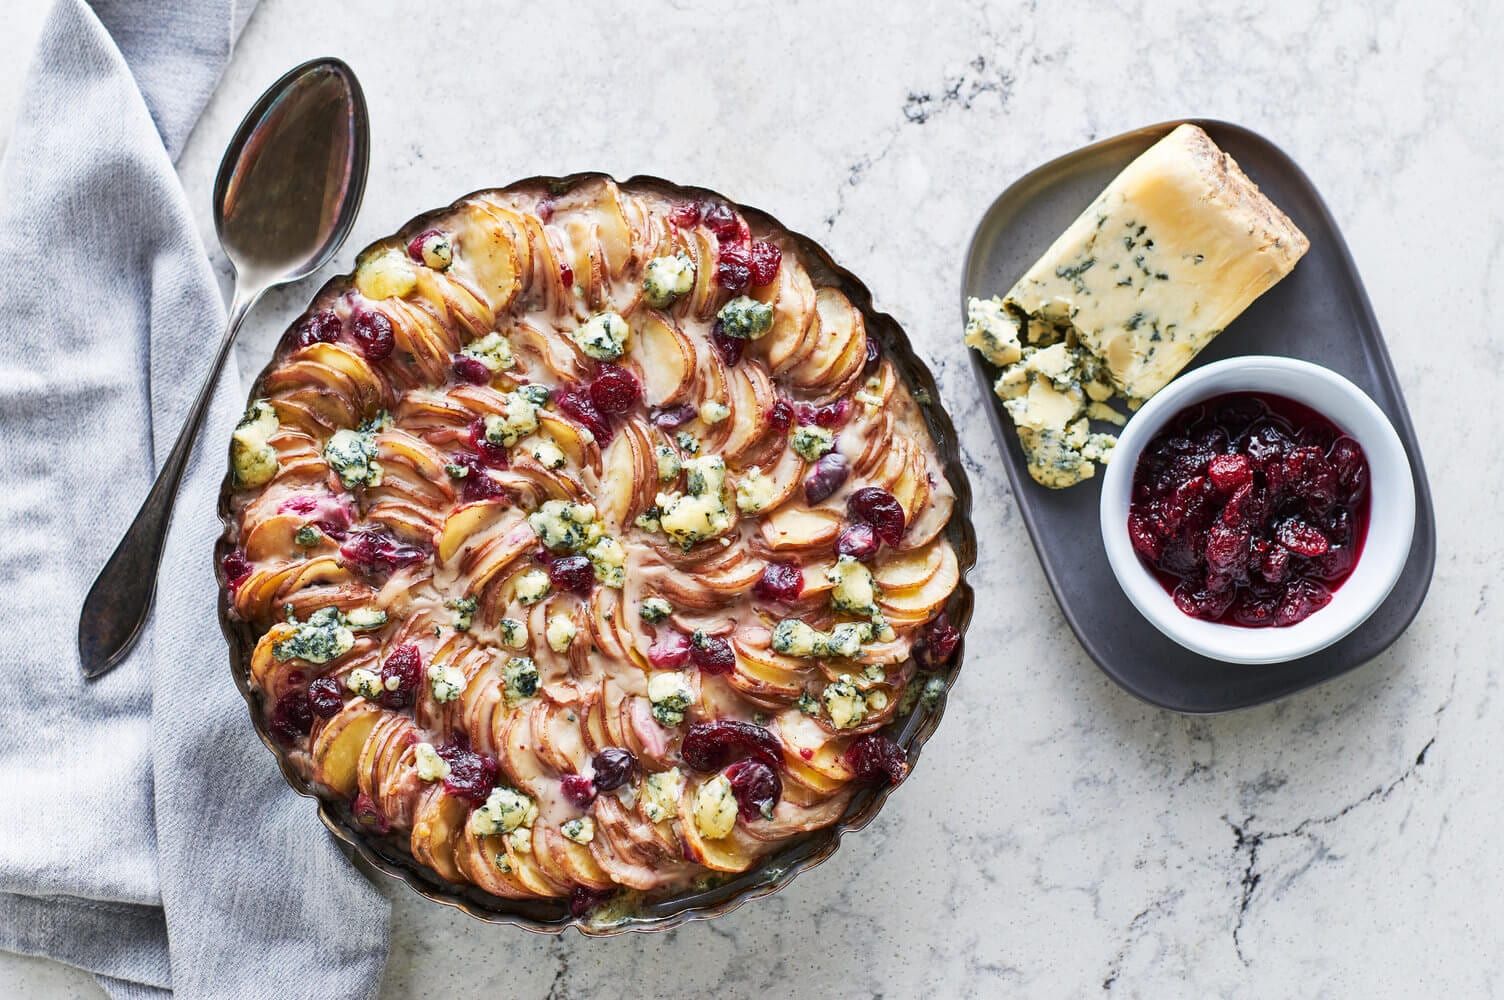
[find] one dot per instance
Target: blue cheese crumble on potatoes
(1170, 253)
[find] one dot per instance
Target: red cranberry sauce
(1251, 509)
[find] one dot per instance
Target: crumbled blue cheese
(513, 633)
(934, 690)
(255, 460)
(364, 683)
(671, 693)
(712, 412)
(561, 631)
(429, 765)
(565, 526)
(365, 619)
(875, 674)
(521, 839)
(715, 808)
(701, 513)
(609, 559)
(520, 678)
(793, 637)
(493, 350)
(323, 637)
(658, 798)
(854, 589)
(811, 441)
(992, 331)
(755, 491)
(464, 611)
(654, 610)
(447, 682)
(505, 810)
(807, 704)
(533, 587)
(534, 393)
(846, 639)
(604, 336)
(547, 453)
(648, 520)
(308, 536)
(844, 703)
(581, 830)
(436, 251)
(352, 455)
(687, 443)
(667, 278)
(668, 462)
(518, 419)
(745, 318)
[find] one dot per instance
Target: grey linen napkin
(145, 833)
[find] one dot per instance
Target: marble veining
(1058, 837)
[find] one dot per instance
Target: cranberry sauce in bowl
(1250, 509)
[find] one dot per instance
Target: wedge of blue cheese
(1175, 248)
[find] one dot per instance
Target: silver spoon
(286, 196)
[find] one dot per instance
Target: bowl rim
(799, 854)
(1392, 509)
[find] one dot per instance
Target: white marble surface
(1058, 837)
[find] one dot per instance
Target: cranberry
(1302, 599)
(566, 275)
(572, 573)
(578, 789)
(613, 768)
(1145, 538)
(582, 900)
(828, 475)
(876, 759)
(290, 717)
(476, 484)
(938, 643)
(1301, 538)
(323, 327)
(780, 416)
(728, 349)
(764, 262)
(373, 333)
(468, 369)
(575, 402)
(877, 507)
(780, 581)
(859, 541)
(833, 414)
(670, 652)
(298, 503)
(685, 214)
(471, 775)
(374, 550)
(675, 416)
(326, 697)
(491, 453)
(237, 567)
(757, 788)
(733, 267)
(368, 814)
(400, 676)
(712, 654)
(1202, 602)
(1346, 458)
(709, 746)
(615, 390)
(415, 245)
(721, 219)
(545, 209)
(1228, 472)
(874, 355)
(1227, 548)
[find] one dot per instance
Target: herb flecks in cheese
(658, 798)
(604, 337)
(666, 278)
(715, 808)
(429, 765)
(671, 694)
(323, 637)
(504, 811)
(493, 350)
(255, 460)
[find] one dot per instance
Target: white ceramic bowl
(1391, 511)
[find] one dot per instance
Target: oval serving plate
(1318, 313)
(390, 855)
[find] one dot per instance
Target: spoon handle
(121, 597)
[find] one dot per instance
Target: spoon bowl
(288, 189)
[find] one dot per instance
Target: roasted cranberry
(237, 567)
(326, 697)
(468, 369)
(491, 452)
(938, 643)
(733, 266)
(1302, 599)
(373, 333)
(1146, 540)
(1301, 538)
(876, 759)
(764, 263)
(323, 327)
(877, 507)
(712, 654)
(828, 475)
(572, 573)
(613, 768)
(780, 581)
(566, 275)
(674, 416)
(833, 414)
(728, 349)
(290, 717)
(859, 541)
(685, 214)
(471, 775)
(374, 550)
(583, 900)
(670, 652)
(1227, 548)
(400, 676)
(368, 814)
(1203, 602)
(476, 484)
(710, 746)
(614, 389)
(578, 789)
(721, 219)
(757, 788)
(298, 503)
(575, 402)
(874, 355)
(1228, 472)
(780, 416)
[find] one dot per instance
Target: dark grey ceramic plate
(1319, 313)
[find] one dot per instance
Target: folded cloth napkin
(145, 833)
